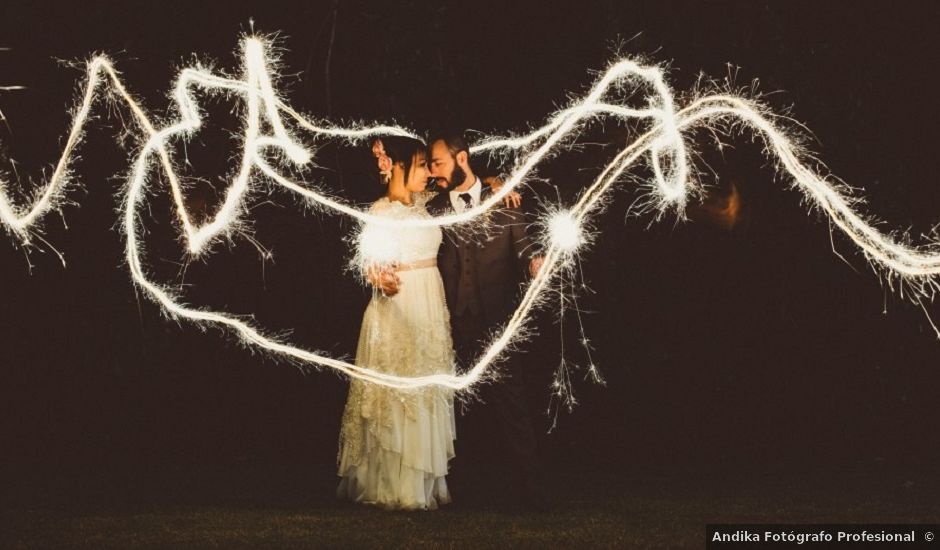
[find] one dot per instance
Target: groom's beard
(457, 176)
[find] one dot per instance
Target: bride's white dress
(395, 444)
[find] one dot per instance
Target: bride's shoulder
(423, 198)
(389, 208)
(386, 207)
(380, 205)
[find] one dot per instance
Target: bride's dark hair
(403, 149)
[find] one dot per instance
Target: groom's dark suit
(482, 273)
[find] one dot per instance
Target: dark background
(728, 353)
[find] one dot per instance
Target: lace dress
(395, 444)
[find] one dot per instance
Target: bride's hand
(384, 278)
(512, 200)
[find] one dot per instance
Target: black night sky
(746, 354)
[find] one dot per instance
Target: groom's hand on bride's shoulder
(512, 200)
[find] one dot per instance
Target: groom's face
(445, 166)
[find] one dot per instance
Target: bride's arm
(377, 271)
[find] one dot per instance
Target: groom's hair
(453, 139)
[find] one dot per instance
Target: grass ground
(591, 511)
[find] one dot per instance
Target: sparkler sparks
(271, 143)
(565, 232)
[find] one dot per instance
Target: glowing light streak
(663, 142)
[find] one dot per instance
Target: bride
(395, 444)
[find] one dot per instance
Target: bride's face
(417, 180)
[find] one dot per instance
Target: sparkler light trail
(271, 145)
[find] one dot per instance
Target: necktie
(467, 199)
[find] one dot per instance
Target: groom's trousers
(505, 404)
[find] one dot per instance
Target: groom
(482, 273)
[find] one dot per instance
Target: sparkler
(271, 143)
(565, 232)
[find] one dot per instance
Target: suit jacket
(482, 269)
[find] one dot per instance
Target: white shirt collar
(474, 191)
